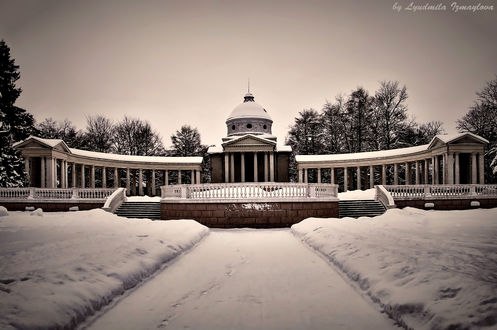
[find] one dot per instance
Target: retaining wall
(447, 204)
(48, 206)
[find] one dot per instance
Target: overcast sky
(187, 62)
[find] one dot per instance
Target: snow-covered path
(245, 279)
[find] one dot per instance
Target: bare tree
(136, 137)
(99, 134)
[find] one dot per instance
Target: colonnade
(438, 169)
(268, 166)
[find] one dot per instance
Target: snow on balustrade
(442, 191)
(14, 193)
(250, 190)
(54, 193)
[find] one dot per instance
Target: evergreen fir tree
(15, 123)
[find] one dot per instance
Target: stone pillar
(444, 169)
(332, 175)
(62, 173)
(319, 175)
(306, 176)
(232, 167)
(383, 174)
(43, 171)
(474, 170)
(226, 168)
(179, 176)
(92, 176)
(127, 181)
(358, 170)
(408, 173)
(66, 174)
(198, 177)
(50, 178)
(27, 169)
(435, 170)
(425, 172)
(153, 183)
(140, 182)
(256, 169)
(104, 177)
(166, 177)
(242, 167)
(271, 166)
(83, 183)
(301, 172)
(416, 171)
(371, 176)
(73, 183)
(266, 167)
(457, 173)
(345, 179)
(450, 169)
(116, 178)
(395, 174)
(481, 164)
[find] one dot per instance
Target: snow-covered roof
(249, 110)
(52, 143)
(448, 138)
(248, 136)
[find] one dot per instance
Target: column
(266, 167)
(104, 177)
(474, 179)
(198, 177)
(408, 173)
(226, 168)
(301, 172)
(116, 178)
(332, 175)
(179, 176)
(306, 177)
(92, 176)
(383, 174)
(425, 173)
(232, 167)
(319, 175)
(435, 170)
(444, 169)
(140, 182)
(271, 166)
(43, 173)
(127, 181)
(49, 163)
(166, 177)
(358, 170)
(27, 169)
(73, 183)
(450, 169)
(345, 179)
(66, 167)
(395, 174)
(83, 183)
(242, 168)
(62, 173)
(256, 169)
(457, 170)
(481, 164)
(371, 176)
(153, 183)
(416, 172)
(192, 177)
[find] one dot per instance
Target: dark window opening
(249, 125)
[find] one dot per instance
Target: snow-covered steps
(142, 210)
(360, 208)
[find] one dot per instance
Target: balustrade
(452, 191)
(54, 193)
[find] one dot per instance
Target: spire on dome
(248, 97)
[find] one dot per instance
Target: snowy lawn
(428, 269)
(58, 268)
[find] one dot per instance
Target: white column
(371, 176)
(301, 172)
(242, 167)
(166, 177)
(66, 174)
(179, 176)
(116, 178)
(153, 183)
(43, 171)
(457, 170)
(474, 178)
(92, 176)
(450, 169)
(319, 175)
(408, 173)
(128, 181)
(425, 174)
(50, 171)
(140, 182)
(198, 177)
(226, 168)
(266, 167)
(358, 170)
(192, 178)
(416, 172)
(62, 173)
(83, 183)
(383, 174)
(73, 183)
(271, 166)
(435, 170)
(232, 167)
(306, 176)
(345, 179)
(444, 169)
(395, 174)
(332, 175)
(27, 169)
(256, 168)
(481, 164)
(104, 177)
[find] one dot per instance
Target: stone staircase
(141, 210)
(360, 208)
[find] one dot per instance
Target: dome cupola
(249, 117)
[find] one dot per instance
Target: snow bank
(55, 272)
(357, 194)
(427, 269)
(3, 211)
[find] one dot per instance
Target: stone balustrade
(251, 191)
(54, 193)
(425, 192)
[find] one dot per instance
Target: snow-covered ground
(58, 268)
(428, 269)
(357, 194)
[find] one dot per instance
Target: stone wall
(50, 206)
(447, 204)
(254, 215)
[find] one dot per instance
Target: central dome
(249, 109)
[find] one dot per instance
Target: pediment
(33, 142)
(249, 140)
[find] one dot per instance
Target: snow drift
(58, 269)
(427, 269)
